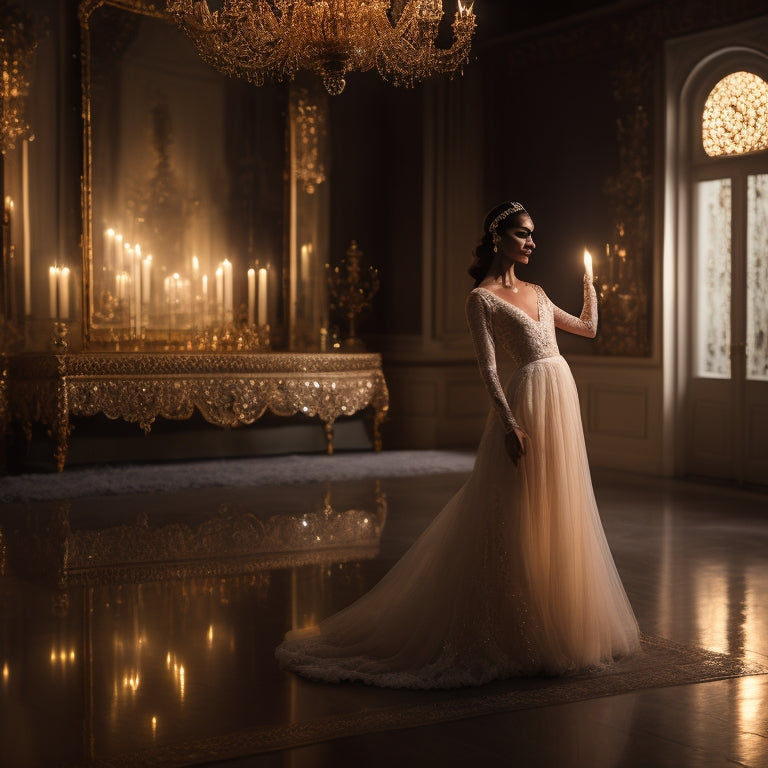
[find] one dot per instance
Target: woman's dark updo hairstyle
(504, 215)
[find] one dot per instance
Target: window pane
(757, 277)
(712, 279)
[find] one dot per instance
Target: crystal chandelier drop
(258, 39)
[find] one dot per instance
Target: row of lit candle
(133, 285)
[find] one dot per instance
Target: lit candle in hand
(588, 264)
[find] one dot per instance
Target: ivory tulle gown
(514, 576)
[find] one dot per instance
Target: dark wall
(376, 194)
(551, 143)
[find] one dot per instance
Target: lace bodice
(494, 322)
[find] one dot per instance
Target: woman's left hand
(514, 442)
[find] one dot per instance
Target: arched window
(735, 119)
(731, 228)
(716, 251)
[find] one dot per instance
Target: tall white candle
(146, 279)
(304, 263)
(262, 296)
(219, 293)
(64, 293)
(588, 264)
(228, 290)
(136, 272)
(205, 300)
(118, 253)
(53, 281)
(251, 296)
(26, 228)
(109, 249)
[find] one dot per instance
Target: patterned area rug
(79, 482)
(663, 663)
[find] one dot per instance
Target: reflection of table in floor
(228, 389)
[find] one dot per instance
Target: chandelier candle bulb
(262, 296)
(588, 264)
(252, 296)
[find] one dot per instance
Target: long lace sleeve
(586, 323)
(481, 328)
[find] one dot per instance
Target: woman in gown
(514, 576)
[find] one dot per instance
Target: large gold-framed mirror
(185, 188)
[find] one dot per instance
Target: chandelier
(258, 39)
(17, 48)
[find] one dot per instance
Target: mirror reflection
(187, 186)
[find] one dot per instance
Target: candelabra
(623, 303)
(350, 293)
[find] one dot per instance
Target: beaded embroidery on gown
(514, 576)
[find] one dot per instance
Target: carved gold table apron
(228, 389)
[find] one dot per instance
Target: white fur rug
(79, 482)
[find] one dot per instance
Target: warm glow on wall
(735, 119)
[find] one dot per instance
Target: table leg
(61, 428)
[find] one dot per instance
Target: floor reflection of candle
(262, 296)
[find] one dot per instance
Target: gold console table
(227, 389)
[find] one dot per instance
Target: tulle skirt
(513, 577)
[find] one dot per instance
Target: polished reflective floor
(131, 626)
